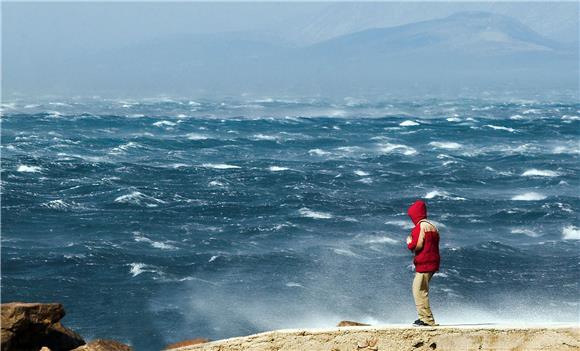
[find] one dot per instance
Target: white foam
(265, 137)
(525, 231)
(531, 196)
(360, 173)
(138, 198)
(305, 212)
(137, 268)
(500, 128)
(277, 168)
(216, 183)
(213, 258)
(318, 152)
(365, 180)
(445, 145)
(294, 285)
(408, 123)
(381, 240)
(219, 166)
(156, 244)
(401, 223)
(164, 124)
(539, 173)
(57, 205)
(453, 119)
(571, 233)
(400, 148)
(517, 117)
(28, 169)
(195, 136)
(443, 194)
(124, 147)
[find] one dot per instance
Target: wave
(196, 136)
(443, 194)
(360, 173)
(28, 169)
(398, 148)
(138, 268)
(59, 205)
(265, 137)
(539, 173)
(124, 147)
(219, 166)
(381, 240)
(408, 123)
(164, 123)
(401, 223)
(531, 196)
(277, 169)
(305, 212)
(156, 244)
(571, 233)
(527, 232)
(140, 199)
(511, 130)
(318, 152)
(446, 145)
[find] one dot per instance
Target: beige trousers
(421, 295)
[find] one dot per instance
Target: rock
(44, 348)
(31, 326)
(351, 324)
(195, 341)
(104, 345)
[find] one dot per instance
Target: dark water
(160, 220)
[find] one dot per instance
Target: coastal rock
(195, 341)
(104, 345)
(351, 324)
(31, 326)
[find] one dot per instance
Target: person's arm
(421, 240)
(414, 239)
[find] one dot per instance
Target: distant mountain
(475, 33)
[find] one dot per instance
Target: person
(424, 242)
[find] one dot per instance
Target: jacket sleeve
(414, 238)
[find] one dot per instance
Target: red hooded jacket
(427, 259)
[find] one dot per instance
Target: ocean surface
(159, 220)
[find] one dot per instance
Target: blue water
(159, 220)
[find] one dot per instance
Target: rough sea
(159, 220)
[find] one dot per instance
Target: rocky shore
(37, 326)
(399, 338)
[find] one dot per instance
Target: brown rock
(30, 326)
(351, 324)
(104, 345)
(44, 348)
(195, 341)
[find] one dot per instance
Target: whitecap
(156, 244)
(401, 223)
(571, 233)
(264, 137)
(138, 268)
(219, 166)
(344, 252)
(216, 183)
(443, 194)
(517, 117)
(213, 258)
(400, 148)
(28, 169)
(365, 180)
(539, 173)
(124, 147)
(453, 119)
(57, 205)
(528, 232)
(294, 285)
(531, 196)
(277, 168)
(408, 123)
(500, 128)
(445, 145)
(318, 152)
(138, 198)
(360, 173)
(164, 124)
(305, 212)
(381, 240)
(195, 136)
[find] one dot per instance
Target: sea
(157, 220)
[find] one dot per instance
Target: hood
(417, 211)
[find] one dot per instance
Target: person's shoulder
(427, 226)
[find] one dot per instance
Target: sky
(46, 41)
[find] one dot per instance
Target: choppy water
(160, 220)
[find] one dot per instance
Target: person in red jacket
(424, 242)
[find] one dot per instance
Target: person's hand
(409, 239)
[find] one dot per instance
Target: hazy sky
(37, 36)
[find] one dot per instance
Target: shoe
(420, 323)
